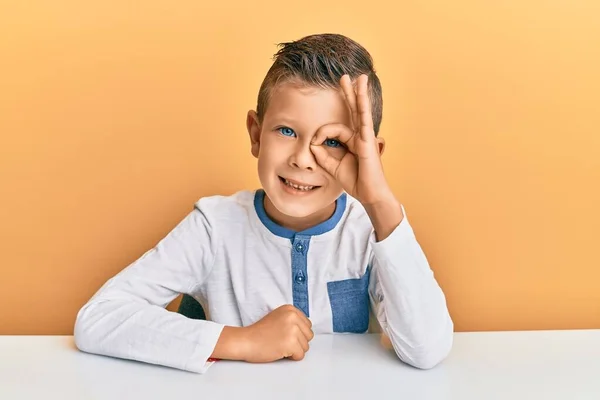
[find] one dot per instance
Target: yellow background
(115, 118)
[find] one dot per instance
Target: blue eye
(287, 131)
(332, 143)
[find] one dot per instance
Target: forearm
(130, 329)
(127, 318)
(412, 310)
(418, 324)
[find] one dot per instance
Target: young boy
(321, 248)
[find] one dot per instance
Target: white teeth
(298, 187)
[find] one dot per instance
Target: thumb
(325, 160)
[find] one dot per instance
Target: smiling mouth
(297, 186)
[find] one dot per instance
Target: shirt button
(299, 247)
(300, 278)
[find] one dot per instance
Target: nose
(302, 157)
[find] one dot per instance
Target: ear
(380, 145)
(254, 131)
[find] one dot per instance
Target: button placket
(299, 250)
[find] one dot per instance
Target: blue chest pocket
(349, 301)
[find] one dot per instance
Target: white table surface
(488, 365)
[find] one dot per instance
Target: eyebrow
(282, 119)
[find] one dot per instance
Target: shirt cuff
(199, 360)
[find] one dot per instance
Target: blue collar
(276, 229)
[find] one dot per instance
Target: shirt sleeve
(407, 300)
(127, 318)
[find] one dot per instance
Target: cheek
(335, 188)
(333, 191)
(271, 156)
(276, 151)
(332, 186)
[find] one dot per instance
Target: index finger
(335, 131)
(304, 319)
(305, 326)
(364, 109)
(306, 332)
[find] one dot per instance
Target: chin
(297, 208)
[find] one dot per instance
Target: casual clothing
(240, 265)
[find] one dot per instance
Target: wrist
(385, 216)
(232, 344)
(382, 207)
(382, 196)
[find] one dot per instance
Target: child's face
(293, 181)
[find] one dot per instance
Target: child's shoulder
(226, 206)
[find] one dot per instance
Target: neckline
(278, 230)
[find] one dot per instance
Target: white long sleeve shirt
(240, 265)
